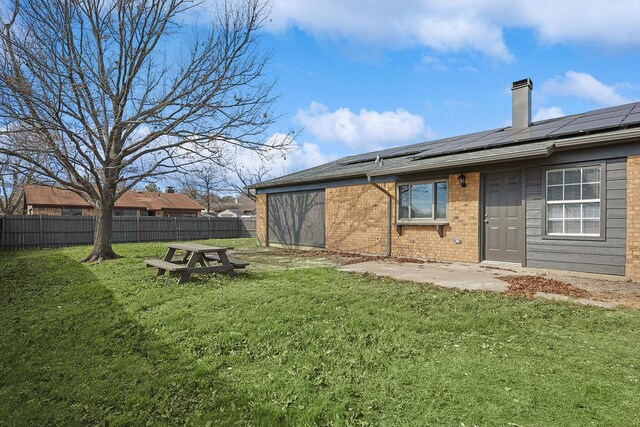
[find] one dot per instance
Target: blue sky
(359, 75)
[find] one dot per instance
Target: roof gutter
(614, 137)
(388, 251)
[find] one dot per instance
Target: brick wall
(356, 221)
(36, 210)
(261, 219)
(463, 211)
(633, 217)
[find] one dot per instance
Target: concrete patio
(485, 277)
(471, 277)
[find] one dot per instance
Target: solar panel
(593, 125)
(551, 123)
(593, 117)
(610, 117)
(495, 138)
(453, 144)
(632, 119)
(384, 154)
(541, 130)
(614, 108)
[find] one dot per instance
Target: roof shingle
(39, 195)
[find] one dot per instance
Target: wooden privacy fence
(41, 231)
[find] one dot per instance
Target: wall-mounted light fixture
(462, 180)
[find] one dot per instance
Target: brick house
(561, 194)
(43, 200)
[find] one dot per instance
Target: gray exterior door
(503, 217)
(296, 218)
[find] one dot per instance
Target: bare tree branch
(15, 173)
(202, 182)
(115, 92)
(241, 176)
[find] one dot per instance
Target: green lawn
(111, 344)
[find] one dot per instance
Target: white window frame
(433, 220)
(601, 200)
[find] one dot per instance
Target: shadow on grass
(72, 355)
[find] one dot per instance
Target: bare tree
(15, 173)
(13, 176)
(151, 187)
(241, 175)
(245, 168)
(117, 93)
(201, 182)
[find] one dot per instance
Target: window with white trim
(422, 201)
(573, 201)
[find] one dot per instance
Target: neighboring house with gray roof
(562, 194)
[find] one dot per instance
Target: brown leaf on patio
(527, 286)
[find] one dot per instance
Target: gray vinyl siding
(607, 257)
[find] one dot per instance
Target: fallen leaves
(527, 286)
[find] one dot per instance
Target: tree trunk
(102, 249)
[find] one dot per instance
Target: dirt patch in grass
(269, 258)
(346, 258)
(527, 286)
(265, 258)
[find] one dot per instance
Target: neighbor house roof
(540, 139)
(233, 211)
(166, 201)
(39, 195)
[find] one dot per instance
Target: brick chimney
(170, 190)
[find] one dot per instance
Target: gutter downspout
(388, 252)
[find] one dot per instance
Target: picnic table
(196, 259)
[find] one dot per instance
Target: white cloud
(365, 130)
(305, 155)
(585, 86)
(604, 22)
(459, 33)
(462, 25)
(414, 23)
(548, 113)
(431, 62)
(469, 69)
(299, 156)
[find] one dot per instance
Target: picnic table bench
(196, 259)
